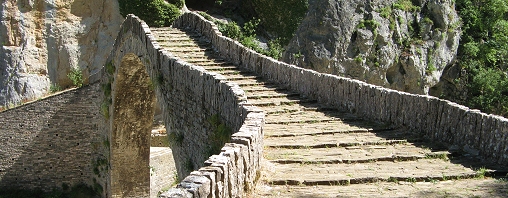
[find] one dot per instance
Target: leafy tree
(155, 13)
(281, 17)
(483, 53)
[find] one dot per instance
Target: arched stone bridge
(320, 134)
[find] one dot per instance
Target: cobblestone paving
(315, 151)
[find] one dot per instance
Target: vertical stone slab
(133, 109)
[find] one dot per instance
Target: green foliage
(178, 3)
(358, 59)
(76, 77)
(274, 49)
(54, 88)
(489, 90)
(221, 134)
(406, 5)
(249, 28)
(110, 68)
(370, 24)
(427, 20)
(231, 29)
(483, 53)
(247, 37)
(155, 13)
(175, 138)
(430, 68)
(281, 18)
(385, 12)
(206, 15)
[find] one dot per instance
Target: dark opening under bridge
(320, 134)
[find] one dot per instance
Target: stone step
(307, 117)
(177, 50)
(218, 68)
(182, 44)
(475, 187)
(321, 128)
(205, 61)
(236, 77)
(338, 140)
(269, 94)
(358, 173)
(352, 154)
(252, 83)
(264, 88)
(264, 102)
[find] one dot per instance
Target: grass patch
(221, 134)
(53, 88)
(481, 173)
(175, 138)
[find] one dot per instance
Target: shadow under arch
(133, 101)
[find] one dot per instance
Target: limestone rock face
(399, 44)
(41, 40)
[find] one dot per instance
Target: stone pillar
(133, 110)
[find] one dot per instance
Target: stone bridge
(312, 128)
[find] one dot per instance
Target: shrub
(155, 13)
(281, 18)
(76, 77)
(231, 29)
(54, 88)
(483, 53)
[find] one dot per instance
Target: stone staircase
(314, 151)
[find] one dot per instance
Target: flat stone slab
(449, 188)
(351, 154)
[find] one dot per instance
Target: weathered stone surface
(55, 141)
(376, 42)
(42, 40)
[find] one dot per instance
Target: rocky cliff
(41, 40)
(400, 44)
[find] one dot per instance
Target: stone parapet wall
(52, 142)
(441, 120)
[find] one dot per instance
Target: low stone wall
(471, 130)
(52, 142)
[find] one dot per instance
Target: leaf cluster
(156, 13)
(281, 18)
(76, 77)
(483, 53)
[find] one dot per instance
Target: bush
(54, 88)
(281, 18)
(231, 29)
(76, 77)
(489, 91)
(155, 13)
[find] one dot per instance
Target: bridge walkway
(314, 151)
